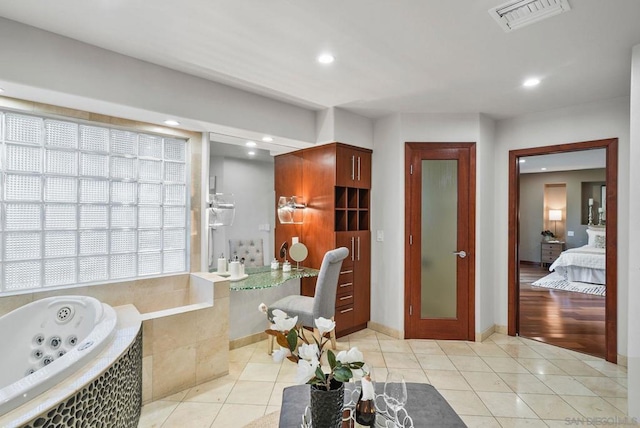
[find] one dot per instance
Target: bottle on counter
(366, 405)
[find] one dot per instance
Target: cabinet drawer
(546, 258)
(345, 299)
(344, 317)
(345, 281)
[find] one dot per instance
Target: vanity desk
(262, 285)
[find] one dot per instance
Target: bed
(586, 263)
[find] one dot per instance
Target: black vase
(365, 412)
(327, 405)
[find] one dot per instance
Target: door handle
(353, 167)
(358, 248)
(462, 254)
(358, 168)
(353, 257)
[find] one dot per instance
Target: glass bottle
(365, 407)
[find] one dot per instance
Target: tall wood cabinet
(335, 182)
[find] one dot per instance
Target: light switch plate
(380, 235)
(569, 232)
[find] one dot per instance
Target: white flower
(308, 352)
(284, 324)
(306, 370)
(281, 354)
(353, 356)
(262, 308)
(324, 325)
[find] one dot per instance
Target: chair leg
(269, 341)
(332, 335)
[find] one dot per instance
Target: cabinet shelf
(351, 209)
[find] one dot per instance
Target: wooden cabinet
(353, 167)
(335, 181)
(550, 251)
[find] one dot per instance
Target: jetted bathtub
(47, 340)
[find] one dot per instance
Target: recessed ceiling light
(251, 153)
(250, 144)
(326, 58)
(522, 160)
(267, 139)
(531, 82)
(543, 169)
(171, 122)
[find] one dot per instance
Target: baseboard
(481, 337)
(247, 340)
(502, 329)
(622, 360)
(396, 334)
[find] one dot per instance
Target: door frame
(611, 308)
(409, 215)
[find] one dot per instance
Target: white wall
(45, 67)
(605, 119)
(634, 241)
(388, 199)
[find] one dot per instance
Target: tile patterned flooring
(502, 382)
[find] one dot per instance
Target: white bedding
(583, 264)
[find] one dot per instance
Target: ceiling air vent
(515, 14)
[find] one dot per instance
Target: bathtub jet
(50, 339)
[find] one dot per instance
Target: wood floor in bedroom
(563, 318)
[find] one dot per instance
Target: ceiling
(411, 55)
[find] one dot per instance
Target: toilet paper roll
(222, 265)
(234, 269)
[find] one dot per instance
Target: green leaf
(332, 359)
(292, 338)
(357, 365)
(320, 373)
(343, 374)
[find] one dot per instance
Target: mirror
(298, 253)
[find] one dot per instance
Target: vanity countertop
(264, 277)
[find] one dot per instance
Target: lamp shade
(555, 215)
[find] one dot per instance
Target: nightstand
(550, 251)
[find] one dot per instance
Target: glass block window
(85, 203)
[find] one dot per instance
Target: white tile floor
(501, 382)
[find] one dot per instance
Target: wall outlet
(569, 232)
(264, 227)
(380, 235)
(294, 240)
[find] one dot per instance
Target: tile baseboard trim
(502, 329)
(622, 360)
(396, 334)
(247, 340)
(482, 336)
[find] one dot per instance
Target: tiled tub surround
(104, 392)
(50, 339)
(185, 326)
(187, 345)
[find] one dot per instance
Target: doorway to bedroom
(560, 290)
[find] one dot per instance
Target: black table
(425, 405)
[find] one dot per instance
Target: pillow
(592, 234)
(600, 241)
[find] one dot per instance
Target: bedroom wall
(532, 215)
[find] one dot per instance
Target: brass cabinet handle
(346, 310)
(346, 284)
(346, 297)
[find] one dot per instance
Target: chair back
(324, 300)
(249, 249)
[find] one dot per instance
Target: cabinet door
(345, 166)
(362, 278)
(363, 170)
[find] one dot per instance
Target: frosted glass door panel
(439, 238)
